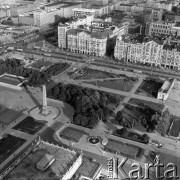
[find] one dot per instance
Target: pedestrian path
(127, 98)
(122, 93)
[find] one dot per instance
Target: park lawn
(8, 145)
(10, 80)
(95, 74)
(149, 88)
(175, 129)
(29, 125)
(119, 84)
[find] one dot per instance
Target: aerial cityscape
(89, 89)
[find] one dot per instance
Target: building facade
(95, 11)
(152, 52)
(42, 17)
(156, 15)
(82, 12)
(166, 89)
(62, 35)
(160, 28)
(86, 43)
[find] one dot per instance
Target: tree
(119, 117)
(145, 138)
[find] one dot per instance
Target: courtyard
(123, 84)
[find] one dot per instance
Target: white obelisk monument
(44, 108)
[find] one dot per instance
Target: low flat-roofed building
(165, 90)
(117, 147)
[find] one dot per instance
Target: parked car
(156, 143)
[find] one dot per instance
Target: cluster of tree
(13, 66)
(56, 69)
(59, 19)
(90, 105)
(132, 136)
(154, 121)
(7, 22)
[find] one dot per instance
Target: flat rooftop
(27, 168)
(122, 148)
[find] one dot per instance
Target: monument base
(45, 111)
(51, 114)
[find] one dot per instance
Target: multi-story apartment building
(82, 12)
(129, 7)
(95, 11)
(81, 21)
(151, 51)
(62, 29)
(86, 42)
(161, 5)
(42, 17)
(135, 51)
(171, 56)
(159, 28)
(62, 35)
(66, 8)
(156, 14)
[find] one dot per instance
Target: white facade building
(43, 17)
(87, 43)
(165, 90)
(81, 21)
(152, 52)
(160, 27)
(82, 12)
(62, 35)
